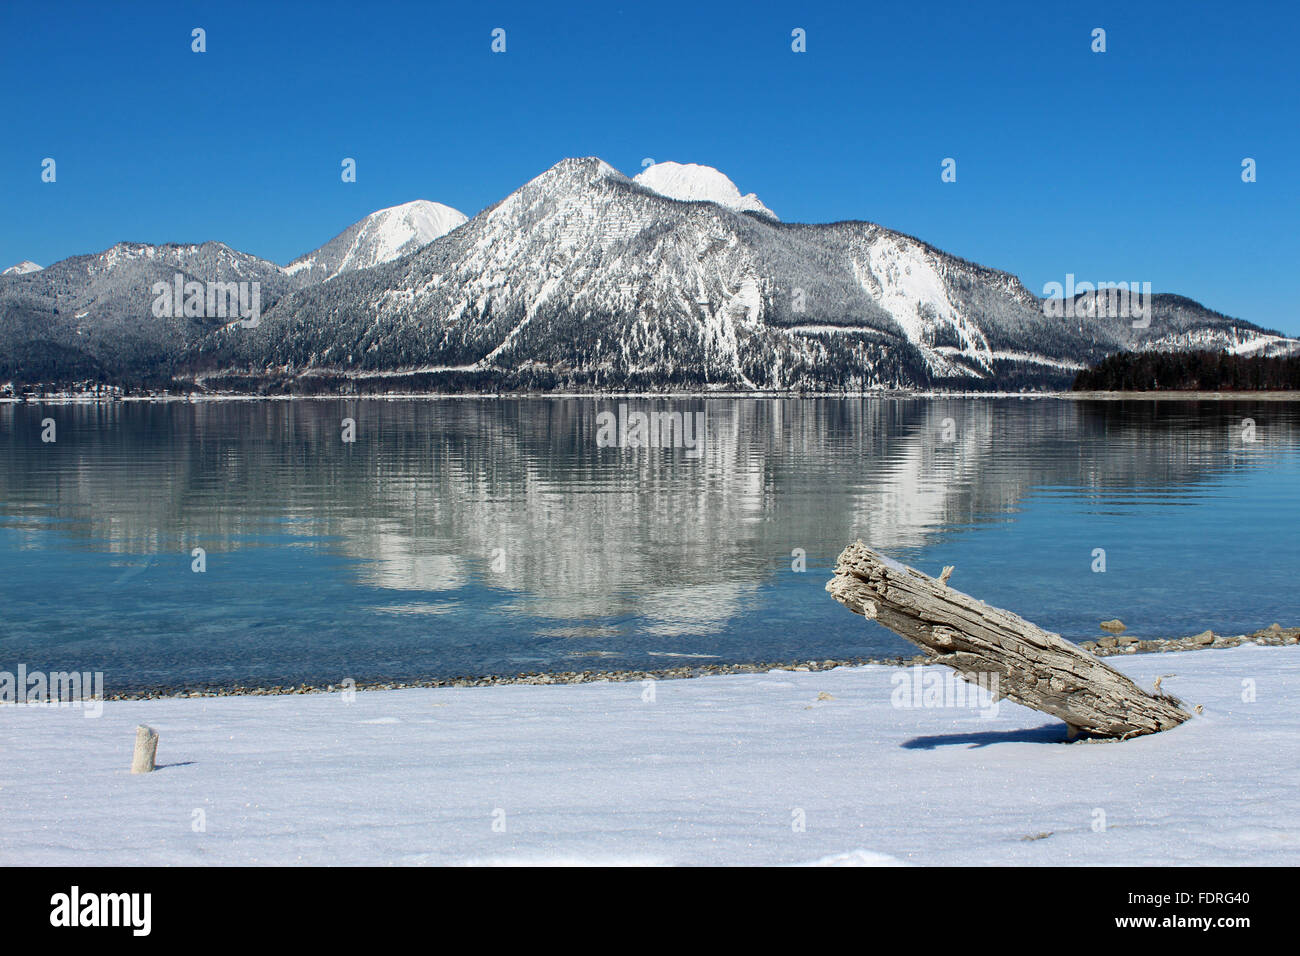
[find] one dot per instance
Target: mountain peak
(382, 236)
(591, 165)
(22, 268)
(577, 170)
(691, 182)
(404, 228)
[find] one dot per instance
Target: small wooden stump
(146, 749)
(1034, 667)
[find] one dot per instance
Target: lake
(467, 537)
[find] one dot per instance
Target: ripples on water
(479, 536)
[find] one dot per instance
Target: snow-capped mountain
(586, 278)
(21, 268)
(692, 183)
(380, 237)
(93, 315)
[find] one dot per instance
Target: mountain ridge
(585, 278)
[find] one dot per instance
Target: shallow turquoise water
(475, 536)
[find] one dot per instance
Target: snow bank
(734, 769)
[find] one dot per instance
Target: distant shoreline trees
(1190, 371)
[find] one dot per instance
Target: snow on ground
(714, 770)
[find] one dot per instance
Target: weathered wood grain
(1033, 667)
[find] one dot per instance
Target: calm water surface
(467, 537)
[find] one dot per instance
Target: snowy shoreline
(1274, 636)
(781, 767)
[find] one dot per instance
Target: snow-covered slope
(380, 237)
(781, 767)
(21, 268)
(692, 183)
(92, 315)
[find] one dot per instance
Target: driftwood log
(1033, 667)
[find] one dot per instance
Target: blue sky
(1122, 166)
